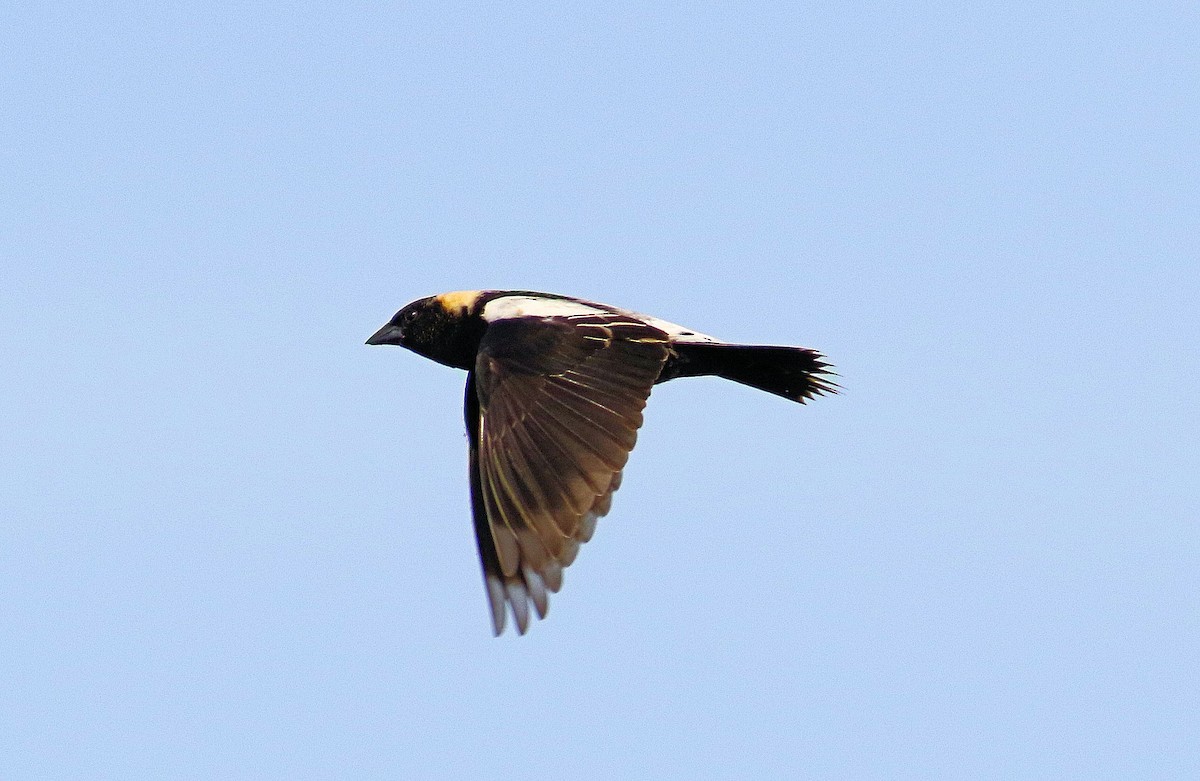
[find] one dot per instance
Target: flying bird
(554, 398)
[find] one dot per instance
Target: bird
(555, 392)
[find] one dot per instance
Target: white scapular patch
(535, 306)
(532, 306)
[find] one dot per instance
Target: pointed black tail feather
(796, 373)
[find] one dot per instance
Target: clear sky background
(235, 542)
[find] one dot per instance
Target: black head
(445, 328)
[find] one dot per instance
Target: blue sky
(236, 542)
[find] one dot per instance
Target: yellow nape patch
(459, 300)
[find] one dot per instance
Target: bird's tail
(796, 373)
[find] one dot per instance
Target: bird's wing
(553, 407)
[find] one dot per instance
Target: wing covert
(558, 402)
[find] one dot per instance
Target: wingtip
(518, 599)
(495, 592)
(537, 592)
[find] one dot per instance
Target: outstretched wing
(553, 407)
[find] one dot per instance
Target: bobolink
(554, 399)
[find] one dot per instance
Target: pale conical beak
(389, 334)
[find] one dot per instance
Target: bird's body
(554, 399)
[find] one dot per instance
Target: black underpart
(483, 533)
(796, 373)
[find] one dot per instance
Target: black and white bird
(554, 399)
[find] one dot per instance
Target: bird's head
(443, 328)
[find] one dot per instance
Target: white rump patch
(677, 332)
